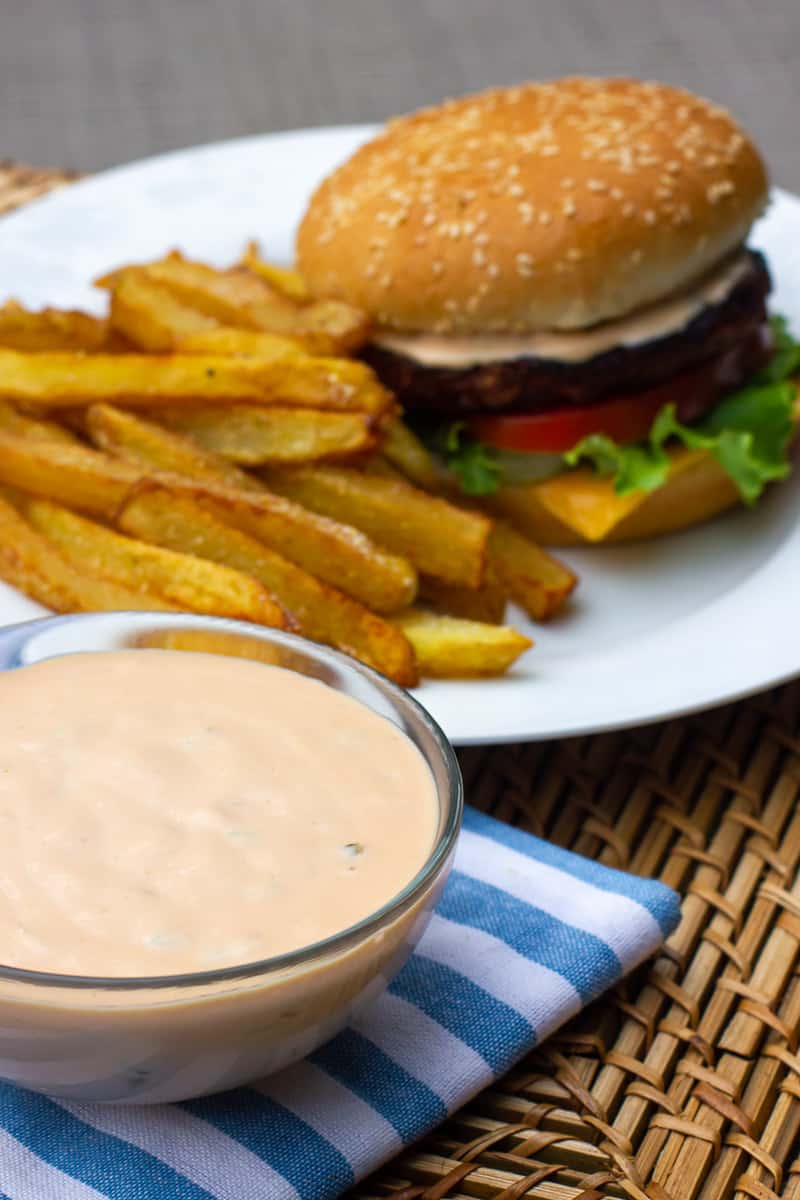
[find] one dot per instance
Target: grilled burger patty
(725, 344)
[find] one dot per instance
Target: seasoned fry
(147, 445)
(240, 298)
(207, 641)
(535, 580)
(290, 283)
(335, 552)
(73, 475)
(182, 579)
(251, 435)
(405, 451)
(486, 603)
(139, 381)
(299, 378)
(438, 538)
(244, 343)
(322, 612)
(32, 564)
(452, 647)
(149, 316)
(19, 423)
(50, 329)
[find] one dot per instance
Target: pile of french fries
(211, 446)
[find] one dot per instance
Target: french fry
(147, 445)
(299, 378)
(486, 603)
(32, 564)
(207, 641)
(184, 580)
(323, 613)
(438, 538)
(149, 316)
(450, 647)
(61, 380)
(252, 436)
(405, 451)
(19, 423)
(287, 281)
(50, 329)
(535, 580)
(243, 299)
(73, 475)
(333, 551)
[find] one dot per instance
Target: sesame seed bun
(544, 206)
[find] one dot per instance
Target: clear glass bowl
(166, 1038)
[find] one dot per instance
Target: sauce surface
(165, 812)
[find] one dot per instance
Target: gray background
(88, 83)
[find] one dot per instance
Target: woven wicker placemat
(685, 1081)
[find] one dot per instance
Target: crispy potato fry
(32, 564)
(335, 552)
(535, 580)
(50, 329)
(290, 283)
(322, 612)
(140, 381)
(207, 641)
(147, 445)
(150, 317)
(73, 475)
(19, 423)
(486, 603)
(182, 579)
(251, 435)
(450, 647)
(241, 298)
(438, 538)
(405, 451)
(244, 343)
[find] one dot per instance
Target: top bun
(544, 206)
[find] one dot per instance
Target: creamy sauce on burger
(658, 321)
(165, 812)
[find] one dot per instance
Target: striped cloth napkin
(525, 935)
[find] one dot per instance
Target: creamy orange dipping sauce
(165, 812)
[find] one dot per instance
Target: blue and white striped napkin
(524, 936)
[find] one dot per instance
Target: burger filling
(718, 382)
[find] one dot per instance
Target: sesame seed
(437, 267)
(649, 217)
(545, 218)
(429, 218)
(569, 208)
(568, 182)
(596, 185)
(524, 264)
(481, 239)
(574, 254)
(716, 191)
(478, 258)
(493, 270)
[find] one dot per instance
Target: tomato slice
(626, 419)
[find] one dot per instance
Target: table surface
(89, 83)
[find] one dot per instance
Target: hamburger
(564, 303)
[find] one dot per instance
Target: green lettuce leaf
(748, 433)
(474, 465)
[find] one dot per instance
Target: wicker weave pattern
(685, 1082)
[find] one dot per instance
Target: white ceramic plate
(659, 629)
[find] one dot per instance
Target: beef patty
(726, 342)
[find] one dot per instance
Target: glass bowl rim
(19, 636)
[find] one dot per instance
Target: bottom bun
(580, 508)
